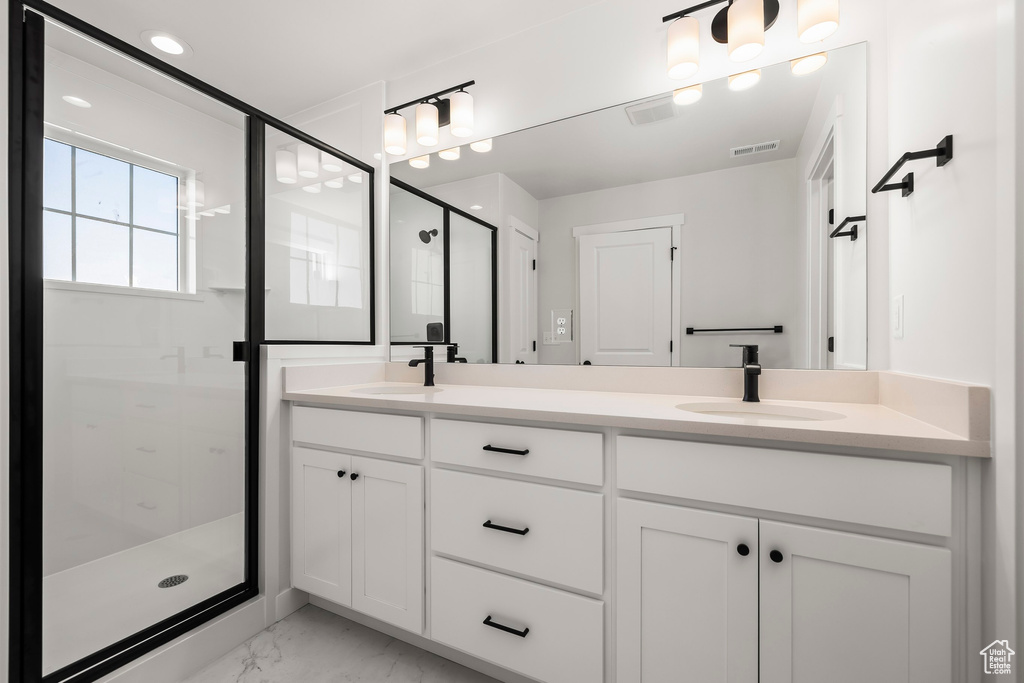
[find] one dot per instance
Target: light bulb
(287, 171)
(426, 124)
(330, 163)
(747, 79)
(688, 95)
(746, 29)
(461, 114)
(808, 64)
(395, 135)
(683, 48)
(309, 161)
(816, 19)
(482, 146)
(420, 162)
(452, 154)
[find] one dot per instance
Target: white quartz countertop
(870, 426)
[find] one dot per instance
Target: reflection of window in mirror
(109, 220)
(324, 263)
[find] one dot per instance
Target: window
(107, 221)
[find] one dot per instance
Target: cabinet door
(687, 598)
(322, 524)
(387, 541)
(849, 609)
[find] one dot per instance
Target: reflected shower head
(425, 236)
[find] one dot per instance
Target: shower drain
(172, 581)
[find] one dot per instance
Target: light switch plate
(897, 317)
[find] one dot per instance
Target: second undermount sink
(398, 389)
(760, 412)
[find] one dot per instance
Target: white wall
(740, 266)
(953, 244)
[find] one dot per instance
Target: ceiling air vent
(759, 148)
(651, 111)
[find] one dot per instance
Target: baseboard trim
(457, 656)
(288, 601)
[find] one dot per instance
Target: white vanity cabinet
(357, 526)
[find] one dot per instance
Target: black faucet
(751, 370)
(453, 350)
(428, 369)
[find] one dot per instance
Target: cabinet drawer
(564, 543)
(151, 505)
(553, 453)
(398, 435)
(150, 448)
(565, 642)
(895, 494)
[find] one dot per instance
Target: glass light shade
(452, 154)
(309, 161)
(420, 162)
(683, 48)
(287, 170)
(747, 79)
(746, 29)
(688, 95)
(330, 163)
(312, 189)
(816, 19)
(461, 114)
(808, 64)
(426, 124)
(199, 194)
(335, 183)
(482, 146)
(395, 135)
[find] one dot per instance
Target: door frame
(516, 225)
(675, 222)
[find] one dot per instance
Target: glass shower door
(144, 261)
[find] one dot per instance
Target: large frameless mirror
(659, 232)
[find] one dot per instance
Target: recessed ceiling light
(475, 207)
(77, 101)
(167, 43)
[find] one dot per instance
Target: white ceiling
(284, 57)
(603, 149)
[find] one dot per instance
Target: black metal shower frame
(25, 168)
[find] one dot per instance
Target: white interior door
(523, 298)
(849, 609)
(625, 289)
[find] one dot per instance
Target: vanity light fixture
(308, 161)
(745, 80)
(335, 183)
(330, 164)
(688, 95)
(312, 189)
(287, 168)
(816, 19)
(77, 101)
(482, 146)
(432, 114)
(420, 162)
(452, 154)
(740, 25)
(808, 64)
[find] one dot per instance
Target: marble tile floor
(315, 646)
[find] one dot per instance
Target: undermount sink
(760, 412)
(384, 391)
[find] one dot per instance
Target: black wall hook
(943, 154)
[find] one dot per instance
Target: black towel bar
(943, 154)
(776, 329)
(852, 232)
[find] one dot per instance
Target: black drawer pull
(510, 451)
(506, 629)
(506, 529)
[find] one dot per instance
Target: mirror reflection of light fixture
(309, 161)
(482, 146)
(688, 95)
(329, 163)
(420, 162)
(395, 135)
(312, 189)
(461, 114)
(426, 236)
(287, 169)
(746, 29)
(223, 209)
(747, 79)
(808, 64)
(426, 124)
(452, 154)
(335, 183)
(356, 177)
(683, 48)
(816, 19)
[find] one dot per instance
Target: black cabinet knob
(742, 549)
(341, 473)
(354, 476)
(775, 556)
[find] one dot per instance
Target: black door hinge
(831, 216)
(240, 352)
(535, 264)
(671, 345)
(831, 344)
(535, 345)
